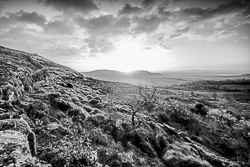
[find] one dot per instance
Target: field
(165, 79)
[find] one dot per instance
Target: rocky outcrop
(14, 149)
(37, 93)
(17, 142)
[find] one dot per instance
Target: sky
(127, 35)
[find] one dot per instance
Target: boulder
(14, 149)
(17, 143)
(179, 155)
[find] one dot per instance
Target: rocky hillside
(51, 115)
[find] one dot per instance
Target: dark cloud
(2, 3)
(178, 0)
(23, 16)
(246, 12)
(146, 24)
(83, 6)
(122, 25)
(199, 14)
(98, 25)
(128, 9)
(107, 25)
(59, 27)
(232, 6)
(164, 14)
(1, 6)
(149, 4)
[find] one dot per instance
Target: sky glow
(153, 35)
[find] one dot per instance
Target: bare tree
(148, 97)
(145, 101)
(135, 108)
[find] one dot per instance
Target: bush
(60, 115)
(71, 151)
(113, 158)
(199, 108)
(78, 112)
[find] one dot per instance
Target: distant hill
(135, 77)
(113, 73)
(246, 75)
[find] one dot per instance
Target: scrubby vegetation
(233, 89)
(79, 121)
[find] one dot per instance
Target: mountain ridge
(132, 73)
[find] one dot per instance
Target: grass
(114, 138)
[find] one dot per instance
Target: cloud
(199, 14)
(27, 17)
(218, 25)
(174, 1)
(246, 12)
(61, 49)
(98, 25)
(149, 47)
(21, 37)
(164, 14)
(149, 4)
(6, 22)
(105, 25)
(178, 32)
(2, 3)
(146, 24)
(188, 21)
(128, 10)
(60, 27)
(22, 17)
(166, 45)
(83, 6)
(99, 45)
(212, 37)
(232, 6)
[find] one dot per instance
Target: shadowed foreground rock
(17, 142)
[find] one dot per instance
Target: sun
(127, 56)
(131, 55)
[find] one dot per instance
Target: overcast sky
(154, 35)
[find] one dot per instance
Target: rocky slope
(34, 93)
(51, 115)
